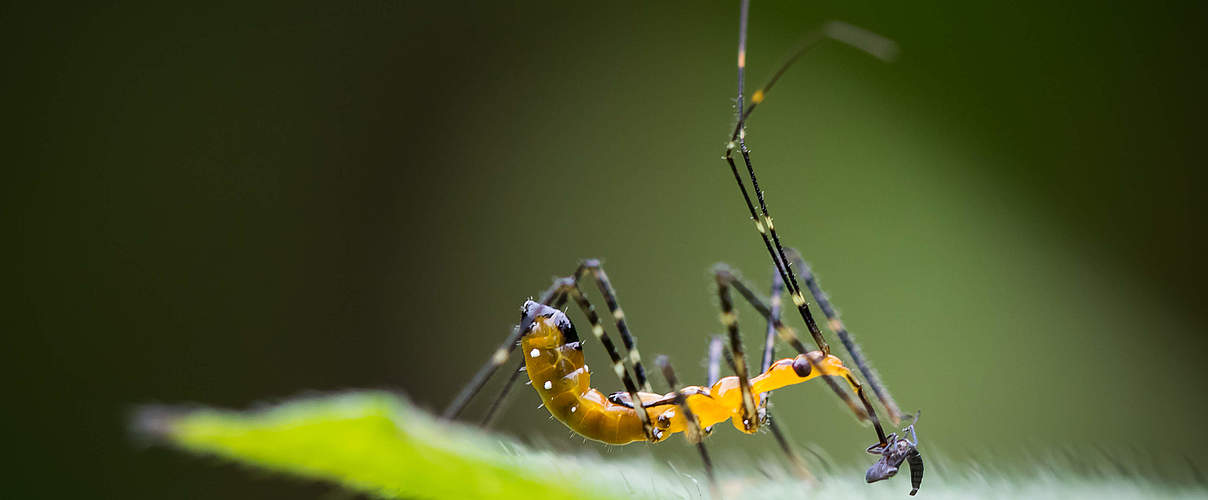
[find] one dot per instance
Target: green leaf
(377, 443)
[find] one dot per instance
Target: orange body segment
(557, 371)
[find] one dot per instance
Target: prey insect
(893, 453)
(553, 358)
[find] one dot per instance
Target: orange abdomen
(562, 379)
(553, 359)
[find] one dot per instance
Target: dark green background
(232, 204)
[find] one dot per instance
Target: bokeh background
(230, 204)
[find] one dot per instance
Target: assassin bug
(553, 354)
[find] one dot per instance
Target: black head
(531, 311)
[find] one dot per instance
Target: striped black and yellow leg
(795, 462)
(764, 226)
(850, 35)
(557, 295)
(694, 433)
(610, 299)
(497, 359)
(849, 343)
(789, 336)
(729, 319)
(784, 271)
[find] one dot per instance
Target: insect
(893, 453)
(553, 351)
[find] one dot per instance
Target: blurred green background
(229, 204)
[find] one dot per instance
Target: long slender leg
(914, 438)
(738, 139)
(714, 370)
(725, 277)
(869, 42)
(849, 343)
(784, 271)
(769, 353)
(789, 336)
(497, 359)
(769, 342)
(729, 318)
(856, 37)
(610, 298)
(499, 398)
(694, 433)
(797, 464)
(556, 294)
(618, 366)
(558, 301)
(716, 349)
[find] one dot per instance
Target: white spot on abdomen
(549, 385)
(575, 374)
(534, 353)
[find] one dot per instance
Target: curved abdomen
(562, 379)
(553, 359)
